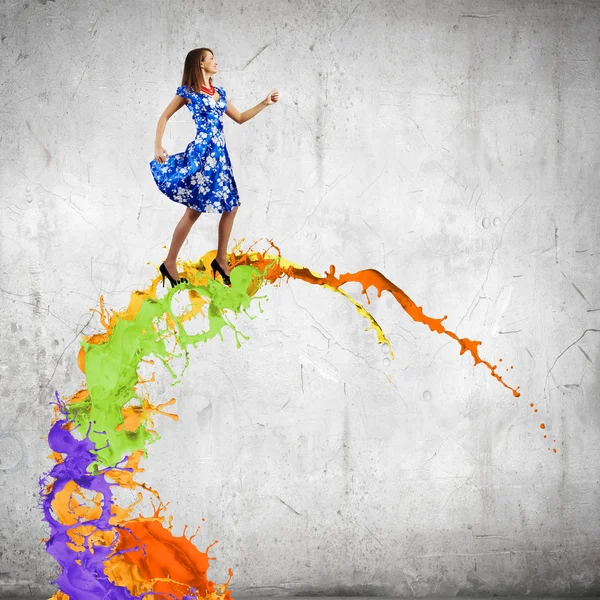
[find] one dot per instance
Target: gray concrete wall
(451, 145)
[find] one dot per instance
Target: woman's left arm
(242, 117)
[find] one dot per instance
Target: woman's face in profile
(210, 64)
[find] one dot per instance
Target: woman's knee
(229, 214)
(192, 214)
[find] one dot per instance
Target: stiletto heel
(215, 266)
(165, 273)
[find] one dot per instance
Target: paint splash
(100, 434)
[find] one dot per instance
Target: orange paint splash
(149, 558)
(274, 269)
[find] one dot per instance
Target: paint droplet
(386, 362)
(496, 222)
(554, 450)
(427, 396)
(305, 233)
(385, 348)
(485, 223)
(313, 235)
(535, 410)
(531, 404)
(545, 436)
(542, 426)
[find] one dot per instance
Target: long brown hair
(191, 68)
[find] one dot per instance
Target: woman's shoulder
(183, 90)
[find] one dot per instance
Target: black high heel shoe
(165, 273)
(215, 266)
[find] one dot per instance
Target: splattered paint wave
(100, 433)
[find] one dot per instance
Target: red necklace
(210, 91)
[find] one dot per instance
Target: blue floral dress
(201, 177)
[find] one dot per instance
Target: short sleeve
(182, 91)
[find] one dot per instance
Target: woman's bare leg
(225, 225)
(181, 232)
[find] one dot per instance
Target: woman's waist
(208, 121)
(212, 134)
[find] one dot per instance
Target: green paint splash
(111, 367)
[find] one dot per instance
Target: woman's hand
(160, 154)
(272, 97)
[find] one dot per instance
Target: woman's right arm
(160, 154)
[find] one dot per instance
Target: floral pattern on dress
(201, 176)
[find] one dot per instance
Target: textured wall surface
(454, 146)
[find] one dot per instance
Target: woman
(201, 177)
